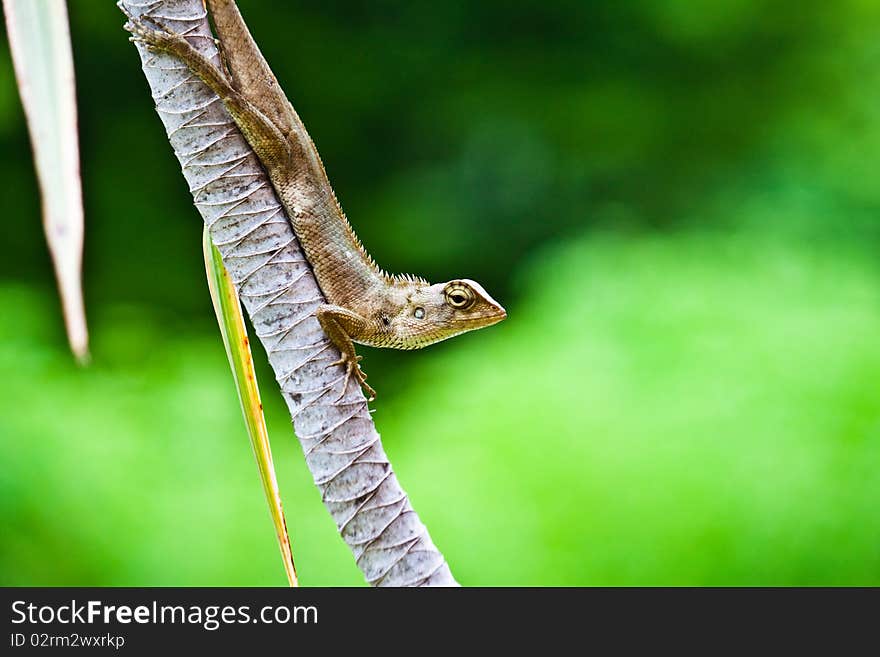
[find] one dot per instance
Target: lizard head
(437, 312)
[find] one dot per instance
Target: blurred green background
(677, 202)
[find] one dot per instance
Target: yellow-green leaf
(235, 338)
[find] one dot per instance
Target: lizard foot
(352, 368)
(155, 36)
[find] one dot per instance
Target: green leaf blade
(235, 339)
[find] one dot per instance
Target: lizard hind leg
(270, 145)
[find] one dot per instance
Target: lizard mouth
(499, 316)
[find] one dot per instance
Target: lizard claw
(155, 35)
(352, 368)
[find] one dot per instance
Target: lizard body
(364, 303)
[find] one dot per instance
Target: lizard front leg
(340, 324)
(270, 145)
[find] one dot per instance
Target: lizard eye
(459, 296)
(419, 313)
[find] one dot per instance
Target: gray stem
(279, 292)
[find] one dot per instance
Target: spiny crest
(404, 278)
(391, 278)
(353, 235)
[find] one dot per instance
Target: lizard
(364, 303)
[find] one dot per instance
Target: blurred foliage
(677, 203)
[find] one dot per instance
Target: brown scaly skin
(364, 304)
